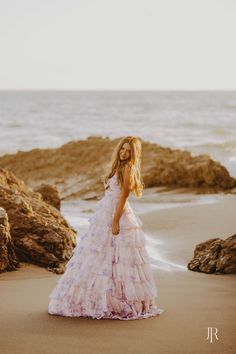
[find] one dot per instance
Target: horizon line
(115, 90)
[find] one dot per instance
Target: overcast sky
(118, 44)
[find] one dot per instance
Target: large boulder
(39, 232)
(215, 256)
(169, 167)
(8, 260)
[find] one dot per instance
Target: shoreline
(77, 211)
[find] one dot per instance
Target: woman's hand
(115, 226)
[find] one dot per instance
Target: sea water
(198, 121)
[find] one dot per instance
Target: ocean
(198, 121)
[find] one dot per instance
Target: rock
(8, 260)
(227, 260)
(40, 234)
(76, 168)
(215, 256)
(178, 168)
(50, 194)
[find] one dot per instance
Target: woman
(109, 274)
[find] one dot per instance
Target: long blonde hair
(136, 181)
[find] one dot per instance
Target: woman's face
(125, 152)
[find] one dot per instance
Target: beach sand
(192, 301)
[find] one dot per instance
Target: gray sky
(118, 44)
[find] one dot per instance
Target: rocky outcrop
(215, 256)
(50, 194)
(40, 234)
(76, 168)
(168, 167)
(8, 260)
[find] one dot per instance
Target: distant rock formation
(8, 260)
(169, 167)
(40, 234)
(215, 256)
(76, 168)
(50, 194)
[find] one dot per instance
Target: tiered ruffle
(108, 276)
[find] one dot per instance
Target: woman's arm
(125, 190)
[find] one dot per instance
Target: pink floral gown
(108, 276)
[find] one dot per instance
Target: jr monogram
(210, 333)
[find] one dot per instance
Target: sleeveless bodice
(112, 186)
(107, 205)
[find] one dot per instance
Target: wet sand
(192, 301)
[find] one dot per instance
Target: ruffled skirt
(108, 276)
